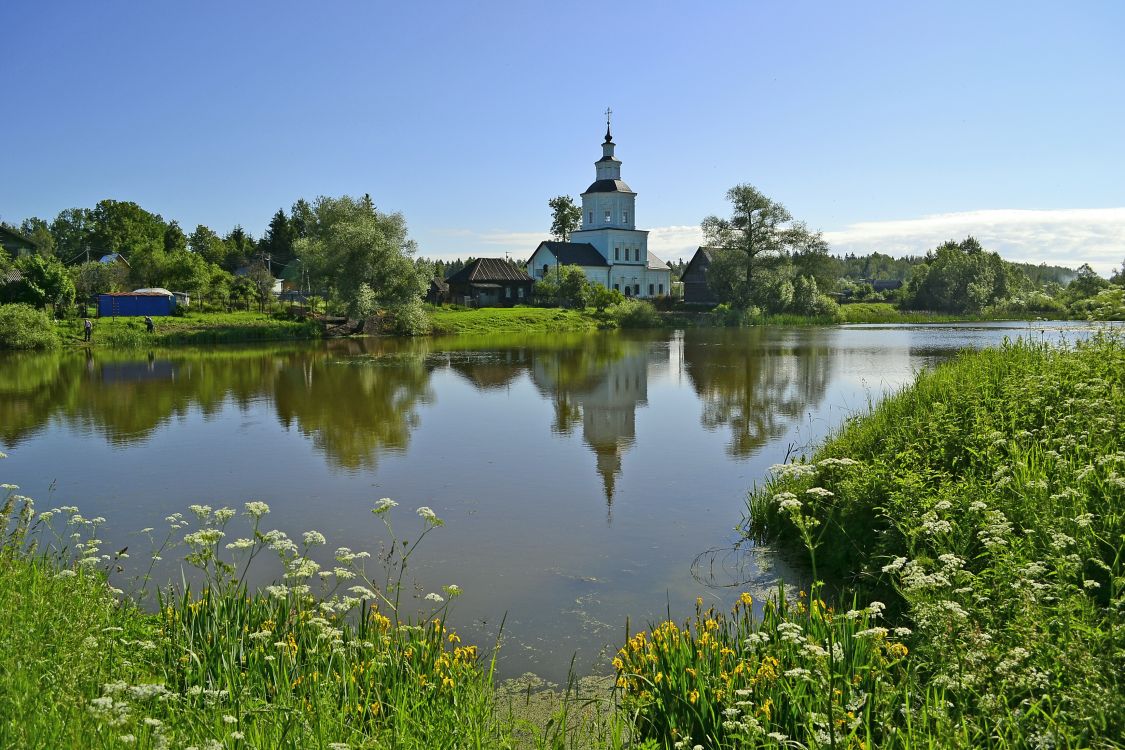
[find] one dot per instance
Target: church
(608, 247)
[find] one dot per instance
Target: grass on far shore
(194, 327)
(449, 320)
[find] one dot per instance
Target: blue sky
(888, 126)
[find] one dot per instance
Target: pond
(586, 480)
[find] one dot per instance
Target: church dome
(608, 186)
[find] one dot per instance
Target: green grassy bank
(973, 530)
(192, 328)
(485, 320)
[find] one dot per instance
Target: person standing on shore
(88, 329)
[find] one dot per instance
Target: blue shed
(126, 304)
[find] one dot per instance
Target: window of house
(508, 291)
(521, 291)
(546, 267)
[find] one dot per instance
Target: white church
(608, 247)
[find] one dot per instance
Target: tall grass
(82, 666)
(985, 505)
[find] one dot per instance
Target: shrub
(409, 319)
(24, 327)
(634, 313)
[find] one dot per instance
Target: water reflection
(755, 382)
(600, 385)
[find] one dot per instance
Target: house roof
(575, 253)
(483, 270)
(655, 264)
(439, 284)
(608, 186)
(14, 235)
(702, 255)
(112, 258)
(136, 294)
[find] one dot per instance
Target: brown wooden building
(696, 289)
(490, 282)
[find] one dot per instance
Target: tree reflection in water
(754, 381)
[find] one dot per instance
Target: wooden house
(490, 282)
(696, 289)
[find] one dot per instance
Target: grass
(192, 328)
(885, 312)
(81, 665)
(985, 506)
(485, 320)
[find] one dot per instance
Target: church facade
(608, 247)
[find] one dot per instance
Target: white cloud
(1066, 237)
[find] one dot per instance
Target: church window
(625, 217)
(617, 287)
(607, 216)
(617, 253)
(651, 290)
(661, 288)
(590, 220)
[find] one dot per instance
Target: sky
(888, 126)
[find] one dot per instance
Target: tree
(186, 272)
(240, 248)
(174, 239)
(94, 278)
(1086, 284)
(45, 282)
(602, 297)
(566, 285)
(958, 278)
(277, 242)
(565, 217)
(758, 228)
(40, 233)
(349, 244)
(208, 245)
(72, 230)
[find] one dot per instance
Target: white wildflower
(895, 566)
(222, 515)
(238, 544)
(435, 598)
(256, 509)
(314, 538)
(203, 511)
(820, 492)
(384, 505)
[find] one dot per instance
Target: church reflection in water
(600, 390)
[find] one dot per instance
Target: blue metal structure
(130, 304)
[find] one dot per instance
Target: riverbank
(974, 527)
(194, 328)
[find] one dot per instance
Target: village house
(490, 282)
(696, 289)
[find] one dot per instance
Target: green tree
(185, 271)
(208, 245)
(45, 282)
(73, 230)
(94, 278)
(602, 297)
(960, 277)
(1086, 284)
(565, 217)
(174, 239)
(240, 249)
(566, 285)
(758, 228)
(815, 261)
(349, 244)
(40, 233)
(277, 242)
